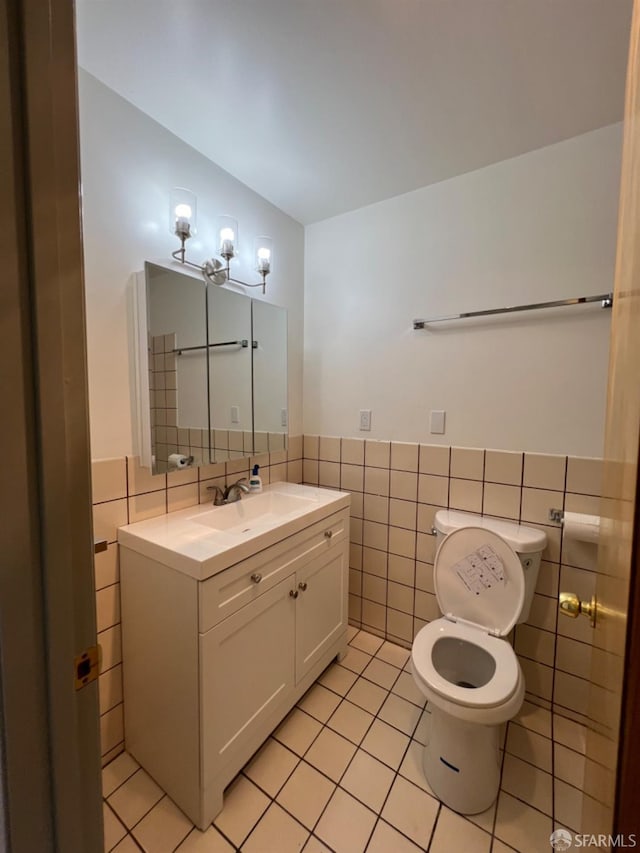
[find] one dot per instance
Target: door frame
(51, 793)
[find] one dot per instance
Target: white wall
(538, 227)
(129, 165)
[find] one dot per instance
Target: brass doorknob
(572, 606)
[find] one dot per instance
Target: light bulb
(263, 254)
(182, 220)
(183, 211)
(228, 237)
(227, 234)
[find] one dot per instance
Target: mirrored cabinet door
(211, 372)
(270, 413)
(230, 410)
(177, 345)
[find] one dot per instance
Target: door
(612, 794)
(51, 797)
(321, 607)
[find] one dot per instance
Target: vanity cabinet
(212, 666)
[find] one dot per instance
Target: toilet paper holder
(556, 515)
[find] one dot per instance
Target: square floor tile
(411, 810)
(366, 642)
(163, 828)
(330, 753)
(244, 805)
(114, 830)
(277, 832)
(523, 828)
(127, 845)
(209, 841)
(386, 839)
(135, 798)
(400, 714)
(271, 766)
(421, 733)
(346, 824)
(306, 794)
(367, 695)
(319, 702)
(368, 779)
(467, 836)
(338, 679)
(381, 673)
(355, 660)
(527, 783)
(406, 687)
(314, 845)
(117, 772)
(298, 731)
(385, 743)
(395, 655)
(350, 721)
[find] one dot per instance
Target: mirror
(211, 372)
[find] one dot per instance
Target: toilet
(485, 573)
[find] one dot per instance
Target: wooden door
(612, 793)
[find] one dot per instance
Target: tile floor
(341, 773)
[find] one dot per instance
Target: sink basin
(201, 541)
(265, 509)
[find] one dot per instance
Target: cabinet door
(321, 607)
(247, 673)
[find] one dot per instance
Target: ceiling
(324, 106)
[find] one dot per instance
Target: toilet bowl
(469, 674)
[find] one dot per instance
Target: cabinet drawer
(223, 594)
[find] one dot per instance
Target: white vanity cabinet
(212, 666)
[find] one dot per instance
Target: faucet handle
(218, 497)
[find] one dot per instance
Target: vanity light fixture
(182, 224)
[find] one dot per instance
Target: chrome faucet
(233, 492)
(218, 495)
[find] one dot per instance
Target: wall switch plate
(365, 419)
(437, 422)
(235, 414)
(283, 417)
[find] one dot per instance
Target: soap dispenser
(255, 480)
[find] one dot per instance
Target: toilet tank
(527, 542)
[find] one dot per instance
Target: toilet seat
(500, 687)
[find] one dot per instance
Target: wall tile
(294, 447)
(376, 481)
(501, 466)
(374, 561)
(141, 479)
(543, 471)
(403, 485)
(311, 446)
(399, 625)
(376, 508)
(182, 497)
(329, 449)
(403, 514)
(402, 542)
(329, 474)
(111, 644)
(401, 570)
(433, 490)
(310, 471)
(536, 504)
(375, 535)
(377, 454)
(148, 505)
(352, 478)
(465, 495)
(374, 615)
(404, 457)
(374, 588)
(108, 479)
(426, 546)
(108, 607)
(107, 517)
(467, 463)
(434, 459)
(353, 451)
(106, 567)
(500, 500)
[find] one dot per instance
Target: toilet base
(461, 763)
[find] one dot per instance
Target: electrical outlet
(235, 414)
(365, 419)
(283, 417)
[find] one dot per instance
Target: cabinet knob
(256, 578)
(293, 593)
(328, 534)
(302, 585)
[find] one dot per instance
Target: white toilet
(485, 573)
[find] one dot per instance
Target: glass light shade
(182, 212)
(263, 255)
(227, 237)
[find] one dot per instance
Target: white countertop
(203, 540)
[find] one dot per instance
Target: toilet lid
(479, 579)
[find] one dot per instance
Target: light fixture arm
(213, 269)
